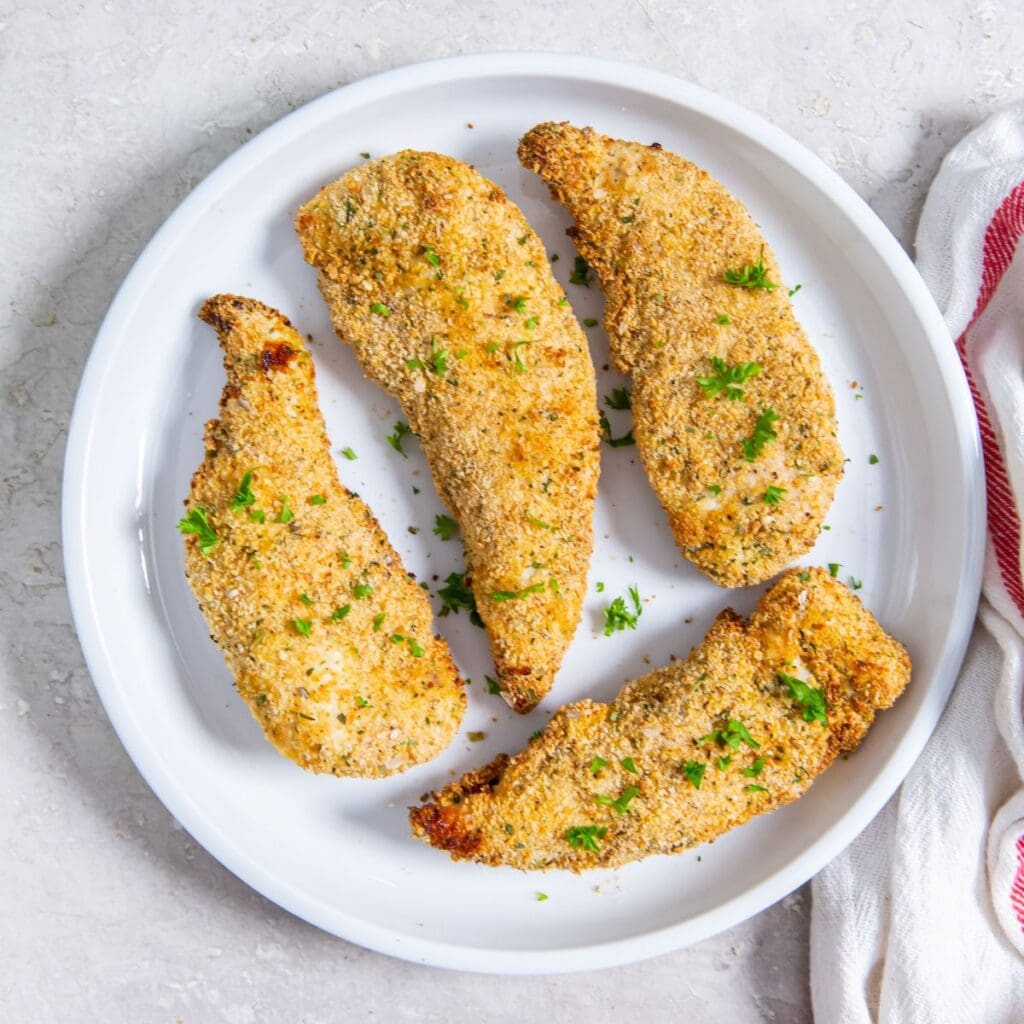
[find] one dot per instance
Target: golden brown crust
(418, 255)
(343, 699)
(661, 234)
(521, 811)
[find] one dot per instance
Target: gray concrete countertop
(112, 112)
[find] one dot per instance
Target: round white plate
(338, 853)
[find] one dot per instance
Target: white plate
(338, 853)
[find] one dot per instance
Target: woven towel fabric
(921, 919)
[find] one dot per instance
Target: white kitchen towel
(921, 919)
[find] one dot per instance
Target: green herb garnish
(286, 515)
(694, 771)
(615, 442)
(630, 765)
(755, 769)
(773, 495)
(618, 399)
(349, 454)
(445, 527)
(380, 309)
(731, 735)
(811, 699)
(317, 499)
(585, 837)
(597, 764)
(456, 595)
(763, 433)
(617, 617)
(243, 496)
(362, 590)
(580, 272)
(621, 803)
(395, 439)
(303, 626)
(339, 613)
(751, 276)
(727, 378)
(197, 522)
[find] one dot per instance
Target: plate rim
(586, 956)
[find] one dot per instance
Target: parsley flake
(763, 433)
(621, 803)
(589, 322)
(810, 698)
(694, 771)
(630, 765)
(430, 255)
(243, 496)
(615, 442)
(303, 626)
(597, 764)
(349, 454)
(286, 515)
(197, 522)
(773, 495)
(755, 769)
(395, 439)
(585, 837)
(457, 595)
(727, 378)
(751, 276)
(732, 735)
(617, 617)
(362, 590)
(619, 399)
(872, 459)
(445, 527)
(317, 499)
(580, 272)
(380, 309)
(833, 568)
(339, 613)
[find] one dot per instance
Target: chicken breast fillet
(446, 297)
(689, 751)
(328, 638)
(733, 417)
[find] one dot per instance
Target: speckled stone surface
(112, 113)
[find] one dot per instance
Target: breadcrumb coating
(445, 294)
(742, 726)
(664, 238)
(327, 636)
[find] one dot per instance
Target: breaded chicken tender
(446, 297)
(689, 751)
(327, 636)
(733, 417)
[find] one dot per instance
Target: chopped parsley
(872, 459)
(833, 568)
(580, 272)
(395, 439)
(520, 366)
(365, 156)
(723, 319)
(694, 771)
(362, 590)
(243, 496)
(305, 599)
(257, 515)
(597, 764)
(317, 499)
(286, 515)
(793, 291)
(197, 522)
(589, 322)
(621, 803)
(615, 442)
(773, 495)
(756, 789)
(539, 522)
(430, 255)
(516, 303)
(349, 454)
(810, 698)
(515, 595)
(599, 587)
(755, 769)
(380, 309)
(617, 617)
(723, 762)
(855, 584)
(727, 378)
(530, 323)
(339, 613)
(362, 702)
(714, 489)
(732, 735)
(751, 276)
(585, 837)
(457, 595)
(630, 765)
(492, 685)
(303, 626)
(618, 399)
(378, 621)
(541, 897)
(414, 648)
(763, 433)
(445, 527)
